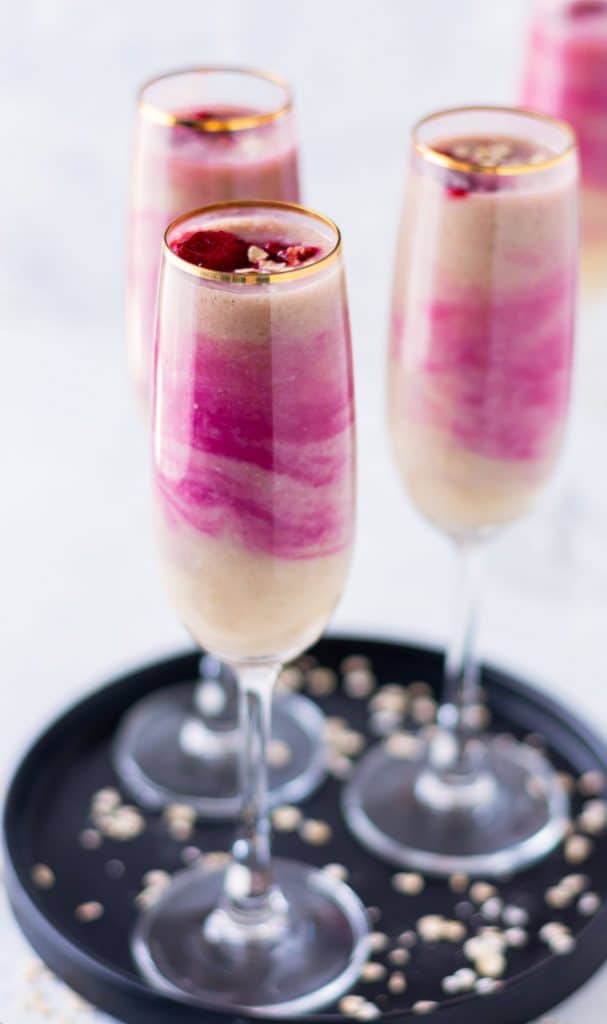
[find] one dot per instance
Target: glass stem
(251, 898)
(210, 731)
(461, 682)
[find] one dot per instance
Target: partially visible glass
(203, 136)
(565, 75)
(479, 381)
(254, 483)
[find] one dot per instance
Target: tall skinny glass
(254, 482)
(205, 135)
(480, 366)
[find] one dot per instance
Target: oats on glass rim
(255, 254)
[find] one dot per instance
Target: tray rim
(33, 921)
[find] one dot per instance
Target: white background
(82, 596)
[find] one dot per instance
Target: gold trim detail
(427, 151)
(253, 276)
(151, 112)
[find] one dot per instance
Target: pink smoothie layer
(566, 75)
(482, 334)
(180, 168)
(266, 455)
(507, 357)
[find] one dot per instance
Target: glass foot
(314, 961)
(164, 755)
(511, 813)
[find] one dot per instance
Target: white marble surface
(82, 593)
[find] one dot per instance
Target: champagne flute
(205, 135)
(253, 457)
(480, 367)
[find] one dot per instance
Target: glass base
(512, 812)
(157, 767)
(314, 961)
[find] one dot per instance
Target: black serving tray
(47, 808)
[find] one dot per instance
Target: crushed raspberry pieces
(292, 255)
(225, 251)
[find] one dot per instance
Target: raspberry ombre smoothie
(483, 314)
(254, 426)
(566, 75)
(480, 366)
(202, 136)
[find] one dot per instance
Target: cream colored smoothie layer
(244, 605)
(458, 490)
(484, 239)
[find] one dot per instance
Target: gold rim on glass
(253, 276)
(428, 152)
(215, 124)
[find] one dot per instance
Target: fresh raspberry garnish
(456, 193)
(215, 250)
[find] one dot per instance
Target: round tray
(49, 803)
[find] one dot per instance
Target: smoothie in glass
(202, 136)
